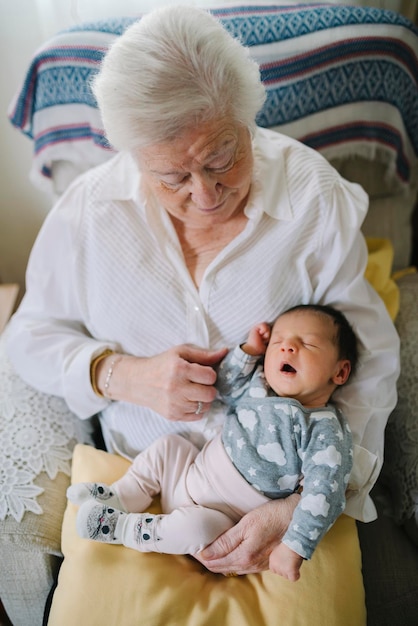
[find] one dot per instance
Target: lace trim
(37, 434)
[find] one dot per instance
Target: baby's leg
(189, 529)
(159, 469)
(186, 530)
(165, 462)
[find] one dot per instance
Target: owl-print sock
(106, 524)
(82, 492)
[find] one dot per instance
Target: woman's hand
(246, 547)
(177, 384)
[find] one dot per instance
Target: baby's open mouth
(286, 367)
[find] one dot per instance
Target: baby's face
(301, 360)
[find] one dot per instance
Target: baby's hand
(285, 562)
(258, 339)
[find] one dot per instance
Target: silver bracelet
(109, 376)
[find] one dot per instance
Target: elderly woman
(154, 263)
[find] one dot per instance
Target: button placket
(197, 330)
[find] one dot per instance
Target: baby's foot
(81, 492)
(108, 525)
(100, 522)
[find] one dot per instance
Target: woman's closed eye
(174, 183)
(222, 168)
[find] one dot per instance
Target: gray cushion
(400, 469)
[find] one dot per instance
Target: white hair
(171, 70)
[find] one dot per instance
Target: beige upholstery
(32, 552)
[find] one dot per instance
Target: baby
(280, 436)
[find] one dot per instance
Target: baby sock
(82, 492)
(106, 524)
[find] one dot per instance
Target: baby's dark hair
(345, 337)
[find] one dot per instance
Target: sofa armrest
(400, 468)
(30, 552)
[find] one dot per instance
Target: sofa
(344, 81)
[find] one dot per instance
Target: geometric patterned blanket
(342, 79)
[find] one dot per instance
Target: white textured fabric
(37, 434)
(110, 262)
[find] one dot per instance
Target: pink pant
(202, 494)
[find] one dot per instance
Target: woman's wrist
(96, 366)
(114, 374)
(108, 382)
(102, 370)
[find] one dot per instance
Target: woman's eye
(173, 184)
(170, 185)
(219, 169)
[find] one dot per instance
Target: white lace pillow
(37, 434)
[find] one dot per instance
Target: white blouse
(107, 271)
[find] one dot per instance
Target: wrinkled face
(204, 176)
(302, 358)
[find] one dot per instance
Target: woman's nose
(205, 191)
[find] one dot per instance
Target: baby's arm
(258, 339)
(237, 368)
(285, 562)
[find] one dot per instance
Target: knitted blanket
(341, 79)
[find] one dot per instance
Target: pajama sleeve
(327, 462)
(234, 374)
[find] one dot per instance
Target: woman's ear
(342, 373)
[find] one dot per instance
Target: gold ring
(231, 574)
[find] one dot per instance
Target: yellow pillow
(116, 586)
(379, 273)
